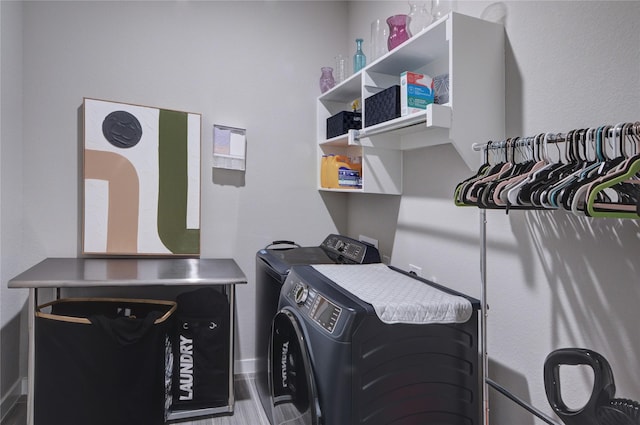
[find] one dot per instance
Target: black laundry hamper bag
(201, 350)
(103, 361)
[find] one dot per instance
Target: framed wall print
(141, 180)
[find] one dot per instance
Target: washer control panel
(325, 313)
(319, 308)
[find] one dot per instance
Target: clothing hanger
(462, 190)
(576, 199)
(567, 178)
(482, 188)
(524, 190)
(528, 194)
(501, 193)
(590, 169)
(617, 193)
(474, 192)
(558, 174)
(560, 194)
(482, 171)
(489, 199)
(605, 135)
(543, 162)
(623, 206)
(597, 173)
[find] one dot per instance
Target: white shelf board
(435, 116)
(326, 189)
(428, 45)
(345, 92)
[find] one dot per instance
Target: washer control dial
(301, 293)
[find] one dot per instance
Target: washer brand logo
(186, 368)
(283, 363)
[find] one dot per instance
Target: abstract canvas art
(141, 180)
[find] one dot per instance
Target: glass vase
(439, 8)
(379, 36)
(419, 16)
(398, 30)
(327, 81)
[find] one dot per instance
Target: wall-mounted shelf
(471, 51)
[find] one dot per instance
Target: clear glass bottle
(439, 8)
(341, 69)
(379, 35)
(420, 18)
(359, 59)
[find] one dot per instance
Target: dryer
(336, 360)
(273, 264)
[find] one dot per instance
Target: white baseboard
(12, 396)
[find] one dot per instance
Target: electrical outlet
(369, 240)
(415, 270)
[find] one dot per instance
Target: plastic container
(348, 179)
(333, 165)
(327, 164)
(356, 164)
(352, 178)
(323, 171)
(340, 172)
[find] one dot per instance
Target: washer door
(294, 395)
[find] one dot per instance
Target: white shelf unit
(471, 51)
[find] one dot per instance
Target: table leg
(33, 300)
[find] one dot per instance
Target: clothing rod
(631, 128)
(521, 402)
(517, 142)
(483, 320)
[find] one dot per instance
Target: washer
(334, 361)
(273, 264)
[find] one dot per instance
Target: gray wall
(254, 65)
(13, 360)
(554, 280)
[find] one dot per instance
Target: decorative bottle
(359, 59)
(326, 79)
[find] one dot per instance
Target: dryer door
(294, 395)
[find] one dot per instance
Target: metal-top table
(152, 275)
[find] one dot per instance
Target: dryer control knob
(301, 294)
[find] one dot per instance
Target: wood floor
(247, 411)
